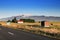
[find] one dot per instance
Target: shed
(20, 21)
(45, 24)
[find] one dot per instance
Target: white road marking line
(11, 33)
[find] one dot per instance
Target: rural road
(11, 34)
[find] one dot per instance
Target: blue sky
(31, 7)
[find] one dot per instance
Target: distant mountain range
(36, 18)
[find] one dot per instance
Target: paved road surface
(11, 34)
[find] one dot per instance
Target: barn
(45, 24)
(20, 21)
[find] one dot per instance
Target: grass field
(52, 31)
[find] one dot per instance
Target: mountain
(36, 18)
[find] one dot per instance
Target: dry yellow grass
(36, 29)
(17, 25)
(24, 25)
(55, 23)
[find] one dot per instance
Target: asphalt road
(11, 34)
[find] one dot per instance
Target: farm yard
(52, 31)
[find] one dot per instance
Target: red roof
(20, 20)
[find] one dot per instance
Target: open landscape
(29, 19)
(52, 31)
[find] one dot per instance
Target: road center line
(11, 33)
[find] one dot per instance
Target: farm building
(20, 21)
(45, 24)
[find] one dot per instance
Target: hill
(36, 18)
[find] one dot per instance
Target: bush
(14, 20)
(28, 20)
(8, 21)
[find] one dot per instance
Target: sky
(10, 8)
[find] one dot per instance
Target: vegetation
(28, 20)
(52, 31)
(9, 21)
(24, 20)
(14, 20)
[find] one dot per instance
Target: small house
(20, 21)
(45, 24)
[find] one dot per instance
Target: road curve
(11, 34)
